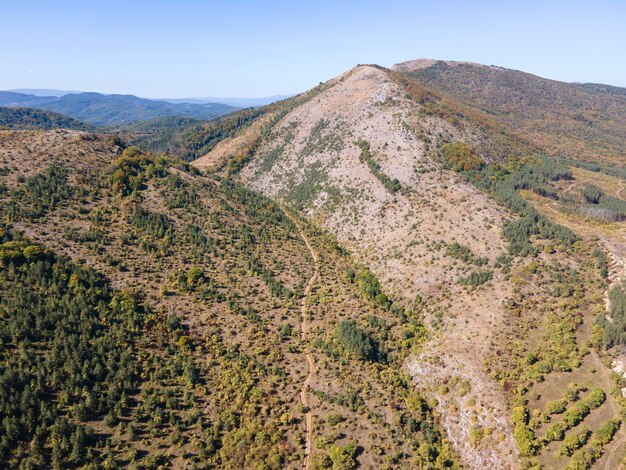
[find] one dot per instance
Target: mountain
(238, 102)
(585, 121)
(106, 110)
(9, 98)
(27, 118)
(187, 138)
(458, 212)
(379, 272)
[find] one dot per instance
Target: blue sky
(248, 48)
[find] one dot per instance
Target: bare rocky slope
(312, 160)
(360, 157)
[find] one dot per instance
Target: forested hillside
(186, 138)
(164, 322)
(409, 268)
(585, 121)
(26, 118)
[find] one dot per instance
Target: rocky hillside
(585, 121)
(423, 189)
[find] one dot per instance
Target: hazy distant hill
(104, 110)
(581, 120)
(27, 118)
(240, 102)
(43, 91)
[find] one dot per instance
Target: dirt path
(611, 455)
(571, 186)
(303, 335)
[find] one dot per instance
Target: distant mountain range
(238, 102)
(108, 110)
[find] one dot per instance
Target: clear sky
(252, 48)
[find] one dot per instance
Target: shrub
(476, 435)
(392, 185)
(556, 432)
(369, 286)
(334, 418)
(461, 252)
(556, 406)
(195, 277)
(343, 457)
(356, 341)
(604, 434)
(133, 168)
(524, 436)
(595, 398)
(573, 442)
(458, 156)
(592, 194)
(476, 278)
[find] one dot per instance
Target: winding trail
(304, 309)
(611, 455)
